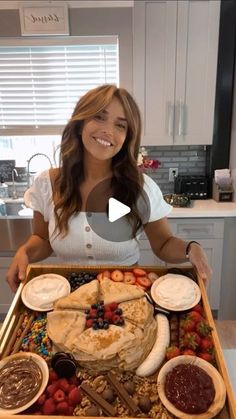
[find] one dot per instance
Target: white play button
(116, 209)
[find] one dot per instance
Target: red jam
(189, 388)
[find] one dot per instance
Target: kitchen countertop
(197, 209)
(204, 209)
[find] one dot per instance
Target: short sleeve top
(82, 245)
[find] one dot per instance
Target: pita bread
(80, 299)
(104, 344)
(118, 291)
(64, 326)
(138, 312)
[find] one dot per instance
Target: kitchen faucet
(14, 192)
(28, 165)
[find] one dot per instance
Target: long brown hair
(127, 181)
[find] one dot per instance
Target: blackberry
(118, 311)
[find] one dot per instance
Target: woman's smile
(102, 141)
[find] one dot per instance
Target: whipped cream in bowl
(175, 292)
(42, 291)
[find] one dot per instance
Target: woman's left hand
(198, 258)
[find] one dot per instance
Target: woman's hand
(17, 270)
(198, 258)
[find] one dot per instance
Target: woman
(99, 144)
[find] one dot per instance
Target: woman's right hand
(17, 270)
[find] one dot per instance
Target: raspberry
(108, 316)
(75, 396)
(93, 313)
(113, 306)
(73, 380)
(52, 388)
(59, 396)
(52, 376)
(63, 408)
(63, 384)
(116, 319)
(71, 387)
(49, 407)
(89, 323)
(41, 400)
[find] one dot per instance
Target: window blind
(40, 85)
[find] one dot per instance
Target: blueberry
(106, 325)
(118, 311)
(95, 305)
(95, 326)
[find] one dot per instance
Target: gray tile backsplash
(188, 159)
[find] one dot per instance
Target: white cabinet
(174, 69)
(6, 295)
(209, 233)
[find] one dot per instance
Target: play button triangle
(116, 209)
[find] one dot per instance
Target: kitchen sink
(14, 228)
(12, 208)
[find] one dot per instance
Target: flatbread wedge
(118, 291)
(80, 299)
(63, 326)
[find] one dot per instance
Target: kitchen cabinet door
(6, 295)
(174, 69)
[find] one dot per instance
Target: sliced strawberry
(129, 278)
(144, 281)
(117, 275)
(139, 272)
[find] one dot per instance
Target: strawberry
(75, 396)
(52, 388)
(203, 328)
(205, 355)
(89, 323)
(144, 281)
(129, 278)
(41, 400)
(186, 324)
(63, 384)
(63, 408)
(198, 307)
(117, 275)
(52, 376)
(139, 272)
(49, 407)
(59, 396)
(206, 344)
(172, 352)
(195, 316)
(191, 340)
(188, 352)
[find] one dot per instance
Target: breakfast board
(124, 315)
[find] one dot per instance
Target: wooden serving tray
(229, 410)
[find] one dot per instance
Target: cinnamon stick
(23, 334)
(106, 407)
(122, 393)
(13, 336)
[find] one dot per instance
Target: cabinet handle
(181, 119)
(171, 120)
